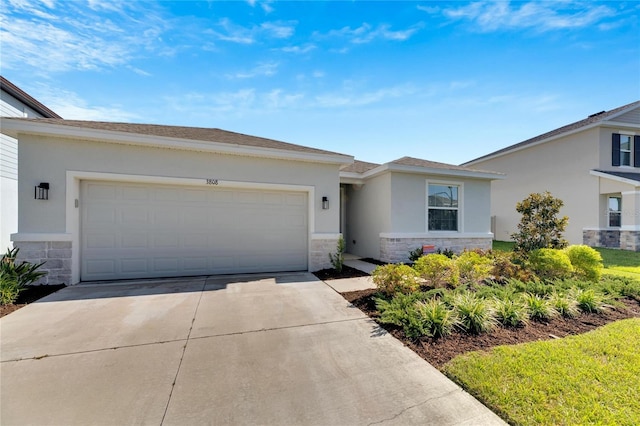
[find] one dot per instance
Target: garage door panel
(139, 230)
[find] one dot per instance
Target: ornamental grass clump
(391, 279)
(511, 313)
(476, 315)
(589, 301)
(438, 320)
(437, 270)
(540, 308)
(565, 303)
(586, 261)
(401, 311)
(14, 277)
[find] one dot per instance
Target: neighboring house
(140, 201)
(592, 165)
(396, 207)
(14, 102)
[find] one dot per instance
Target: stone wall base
(395, 250)
(319, 253)
(56, 256)
(612, 238)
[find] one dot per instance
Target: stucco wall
(48, 159)
(561, 167)
(368, 214)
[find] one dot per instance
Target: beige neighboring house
(14, 102)
(593, 165)
(130, 201)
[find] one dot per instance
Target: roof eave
(615, 178)
(14, 128)
(475, 174)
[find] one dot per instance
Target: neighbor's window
(625, 150)
(443, 207)
(615, 211)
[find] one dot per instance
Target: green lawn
(616, 262)
(593, 378)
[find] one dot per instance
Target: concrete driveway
(282, 349)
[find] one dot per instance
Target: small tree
(337, 259)
(540, 226)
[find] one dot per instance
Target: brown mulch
(374, 261)
(29, 295)
(439, 351)
(347, 272)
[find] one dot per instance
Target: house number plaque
(212, 181)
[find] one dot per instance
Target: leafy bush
(437, 270)
(565, 303)
(473, 266)
(586, 262)
(337, 259)
(391, 279)
(415, 254)
(506, 266)
(589, 300)
(475, 314)
(511, 313)
(539, 308)
(539, 226)
(13, 277)
(550, 263)
(447, 252)
(437, 319)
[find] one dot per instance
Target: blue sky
(443, 81)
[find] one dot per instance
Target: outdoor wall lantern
(325, 203)
(42, 191)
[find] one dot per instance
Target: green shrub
(415, 254)
(473, 267)
(539, 308)
(391, 279)
(437, 319)
(539, 225)
(401, 311)
(437, 270)
(14, 277)
(511, 313)
(505, 267)
(476, 315)
(589, 301)
(565, 303)
(337, 258)
(550, 263)
(586, 262)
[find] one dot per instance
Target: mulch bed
(347, 272)
(30, 294)
(439, 351)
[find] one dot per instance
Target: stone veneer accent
(612, 238)
(319, 253)
(394, 250)
(630, 240)
(56, 256)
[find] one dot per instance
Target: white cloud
(266, 69)
(348, 98)
(226, 30)
(278, 29)
(299, 49)
(542, 16)
(365, 33)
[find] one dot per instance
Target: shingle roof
(26, 99)
(180, 132)
(358, 167)
(417, 162)
(625, 175)
(594, 118)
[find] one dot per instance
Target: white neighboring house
(592, 165)
(14, 102)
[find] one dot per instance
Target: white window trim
(609, 197)
(630, 150)
(460, 208)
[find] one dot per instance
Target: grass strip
(593, 378)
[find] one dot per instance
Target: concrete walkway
(284, 349)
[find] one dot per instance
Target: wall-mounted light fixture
(42, 191)
(325, 203)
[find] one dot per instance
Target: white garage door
(142, 230)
